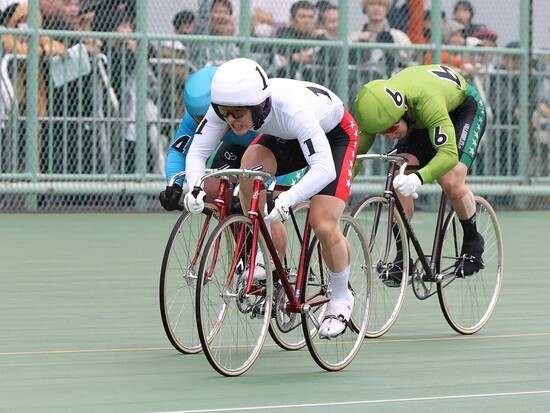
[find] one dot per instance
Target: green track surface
(80, 330)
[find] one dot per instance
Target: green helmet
(378, 106)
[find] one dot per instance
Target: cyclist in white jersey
(300, 124)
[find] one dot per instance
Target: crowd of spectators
(385, 21)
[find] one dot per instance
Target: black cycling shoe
(258, 309)
(470, 260)
(392, 276)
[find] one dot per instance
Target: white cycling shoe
(337, 317)
(259, 270)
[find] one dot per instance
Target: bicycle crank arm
(306, 309)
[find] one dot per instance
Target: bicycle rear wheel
(336, 353)
(232, 325)
(178, 276)
(385, 244)
(285, 327)
(468, 302)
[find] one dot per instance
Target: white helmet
(240, 82)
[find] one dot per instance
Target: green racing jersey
(431, 92)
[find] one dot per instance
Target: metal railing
(99, 160)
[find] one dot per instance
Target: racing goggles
(236, 112)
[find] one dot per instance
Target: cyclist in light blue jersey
(229, 152)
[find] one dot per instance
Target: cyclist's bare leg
(211, 187)
(460, 196)
(325, 213)
(453, 184)
(259, 155)
(463, 202)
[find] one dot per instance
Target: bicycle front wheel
(387, 239)
(338, 352)
(468, 302)
(286, 329)
(178, 276)
(232, 323)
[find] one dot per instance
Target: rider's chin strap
(260, 112)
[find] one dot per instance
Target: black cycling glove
(170, 197)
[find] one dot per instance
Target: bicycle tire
(373, 214)
(285, 328)
(468, 302)
(179, 267)
(338, 352)
(230, 336)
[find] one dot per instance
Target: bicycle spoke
(337, 352)
(286, 329)
(178, 277)
(231, 332)
(468, 302)
(386, 244)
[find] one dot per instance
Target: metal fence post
(31, 108)
(343, 72)
(142, 62)
(244, 26)
(525, 35)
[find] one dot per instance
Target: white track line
(373, 341)
(362, 402)
(100, 350)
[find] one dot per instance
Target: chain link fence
(91, 90)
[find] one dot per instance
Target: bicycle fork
(430, 272)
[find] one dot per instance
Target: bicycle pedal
(329, 337)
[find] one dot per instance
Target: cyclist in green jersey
(438, 120)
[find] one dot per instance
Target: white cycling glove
(407, 184)
(281, 211)
(194, 204)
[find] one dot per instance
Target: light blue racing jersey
(177, 152)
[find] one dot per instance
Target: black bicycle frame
(393, 199)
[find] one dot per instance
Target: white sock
(260, 258)
(339, 281)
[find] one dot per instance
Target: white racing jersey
(299, 110)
